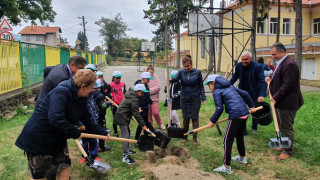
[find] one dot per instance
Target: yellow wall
(72, 53)
(52, 56)
(89, 58)
(10, 68)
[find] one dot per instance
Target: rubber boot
(195, 125)
(185, 126)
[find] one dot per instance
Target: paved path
(131, 75)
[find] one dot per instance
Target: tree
(82, 39)
(97, 50)
(278, 20)
(15, 10)
(63, 40)
(298, 31)
(113, 31)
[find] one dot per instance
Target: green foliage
(63, 40)
(82, 39)
(97, 50)
(108, 59)
(15, 10)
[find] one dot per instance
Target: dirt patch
(174, 163)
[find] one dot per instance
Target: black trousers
(235, 129)
(144, 114)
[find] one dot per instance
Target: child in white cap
(234, 100)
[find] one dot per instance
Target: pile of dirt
(174, 163)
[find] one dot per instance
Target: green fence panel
(79, 53)
(33, 61)
(64, 56)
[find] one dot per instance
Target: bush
(108, 59)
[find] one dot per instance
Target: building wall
(51, 40)
(33, 38)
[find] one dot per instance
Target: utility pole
(84, 31)
(102, 47)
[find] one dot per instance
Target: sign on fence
(6, 37)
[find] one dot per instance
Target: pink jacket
(117, 91)
(154, 88)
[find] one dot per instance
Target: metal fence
(22, 64)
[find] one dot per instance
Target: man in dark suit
(58, 74)
(285, 92)
(251, 79)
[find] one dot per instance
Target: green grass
(209, 152)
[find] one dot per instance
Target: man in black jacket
(60, 73)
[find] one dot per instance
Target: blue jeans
(93, 147)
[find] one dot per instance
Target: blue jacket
(191, 83)
(256, 80)
(232, 98)
(53, 122)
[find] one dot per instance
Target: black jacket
(53, 122)
(174, 95)
(58, 74)
(145, 100)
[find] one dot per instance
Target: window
(28, 38)
(261, 27)
(286, 26)
(273, 25)
(203, 47)
(316, 26)
(38, 38)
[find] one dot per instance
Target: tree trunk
(221, 40)
(278, 26)
(178, 45)
(166, 54)
(253, 38)
(211, 41)
(298, 31)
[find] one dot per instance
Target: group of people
(72, 100)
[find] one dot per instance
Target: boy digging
(235, 101)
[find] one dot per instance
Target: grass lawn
(303, 165)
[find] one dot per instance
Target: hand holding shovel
(252, 110)
(115, 104)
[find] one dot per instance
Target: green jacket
(128, 107)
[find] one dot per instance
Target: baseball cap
(91, 66)
(97, 84)
(99, 73)
(140, 87)
(211, 78)
(116, 74)
(173, 73)
(146, 75)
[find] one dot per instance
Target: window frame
(273, 25)
(286, 26)
(316, 24)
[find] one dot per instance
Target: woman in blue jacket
(192, 92)
(44, 136)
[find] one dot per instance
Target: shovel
(96, 165)
(218, 122)
(115, 104)
(145, 142)
(278, 142)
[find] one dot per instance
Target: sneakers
(223, 169)
(116, 135)
(162, 127)
(83, 160)
(128, 159)
(240, 160)
(254, 131)
(98, 159)
(131, 152)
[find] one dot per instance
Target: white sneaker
(223, 169)
(128, 159)
(240, 160)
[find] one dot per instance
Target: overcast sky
(68, 11)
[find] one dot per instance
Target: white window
(27, 38)
(316, 26)
(203, 47)
(261, 27)
(38, 38)
(273, 25)
(286, 28)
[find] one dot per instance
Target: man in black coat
(60, 73)
(251, 79)
(285, 92)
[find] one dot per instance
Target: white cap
(99, 73)
(91, 66)
(211, 78)
(97, 84)
(116, 74)
(140, 87)
(146, 75)
(173, 73)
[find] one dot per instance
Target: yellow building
(265, 36)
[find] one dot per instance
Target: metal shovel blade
(283, 142)
(98, 166)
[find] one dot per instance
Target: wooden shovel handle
(81, 148)
(275, 119)
(218, 122)
(152, 134)
(226, 74)
(95, 136)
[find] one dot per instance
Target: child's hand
(145, 128)
(204, 102)
(211, 124)
(82, 128)
(140, 110)
(107, 138)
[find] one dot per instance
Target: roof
(304, 2)
(39, 30)
(182, 34)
